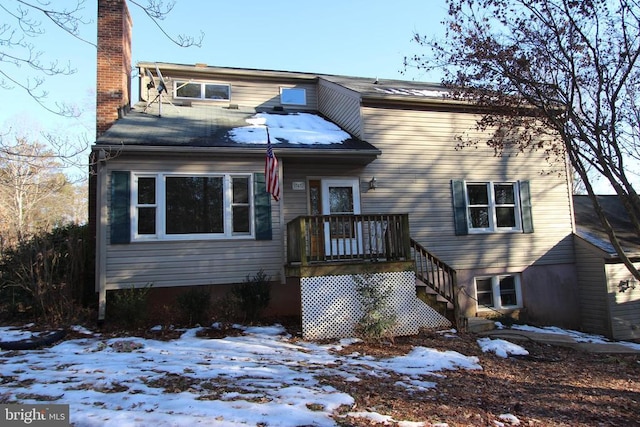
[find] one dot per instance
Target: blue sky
(351, 37)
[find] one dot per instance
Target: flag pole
(271, 170)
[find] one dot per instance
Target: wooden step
(429, 290)
(480, 324)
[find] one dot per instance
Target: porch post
(302, 223)
(406, 236)
(282, 226)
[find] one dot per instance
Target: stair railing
(440, 277)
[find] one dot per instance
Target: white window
(493, 206)
(498, 292)
(293, 96)
(172, 206)
(201, 90)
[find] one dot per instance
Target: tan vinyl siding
(625, 308)
(419, 159)
(267, 95)
(193, 262)
(594, 301)
(341, 106)
(296, 202)
(244, 92)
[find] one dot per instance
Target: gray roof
(367, 87)
(206, 126)
(374, 88)
(589, 227)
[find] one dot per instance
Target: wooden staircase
(440, 282)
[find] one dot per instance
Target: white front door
(341, 197)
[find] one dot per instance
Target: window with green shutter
(485, 207)
(119, 216)
(170, 206)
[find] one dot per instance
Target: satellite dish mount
(161, 87)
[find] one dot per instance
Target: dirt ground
(553, 386)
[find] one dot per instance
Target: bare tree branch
(562, 67)
(22, 22)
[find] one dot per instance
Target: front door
(342, 236)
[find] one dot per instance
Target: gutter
(283, 153)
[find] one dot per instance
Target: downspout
(101, 235)
(282, 226)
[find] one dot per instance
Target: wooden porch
(325, 245)
(316, 239)
(348, 244)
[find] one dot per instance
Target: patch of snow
(413, 92)
(510, 419)
(578, 336)
(296, 128)
(372, 416)
(501, 347)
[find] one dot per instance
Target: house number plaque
(298, 185)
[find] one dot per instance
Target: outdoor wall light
(373, 184)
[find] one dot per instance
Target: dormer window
(293, 96)
(201, 90)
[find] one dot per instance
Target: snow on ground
(263, 376)
(576, 335)
(501, 348)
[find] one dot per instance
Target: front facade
(181, 201)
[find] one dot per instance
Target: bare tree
(34, 194)
(25, 21)
(564, 73)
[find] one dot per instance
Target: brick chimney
(113, 63)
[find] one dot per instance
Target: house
(609, 294)
(371, 178)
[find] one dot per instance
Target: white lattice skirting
(331, 309)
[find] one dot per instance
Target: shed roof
(229, 130)
(588, 225)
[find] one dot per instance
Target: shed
(609, 294)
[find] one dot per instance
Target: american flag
(271, 171)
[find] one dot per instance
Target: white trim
(203, 84)
(334, 246)
(161, 234)
(289, 101)
(492, 205)
(495, 288)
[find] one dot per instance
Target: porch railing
(326, 238)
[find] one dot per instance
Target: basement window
(201, 90)
(498, 292)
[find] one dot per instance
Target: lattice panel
(330, 306)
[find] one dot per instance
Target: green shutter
(459, 207)
(525, 206)
(119, 217)
(262, 208)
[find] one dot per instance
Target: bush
(194, 305)
(130, 305)
(252, 296)
(377, 320)
(45, 278)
